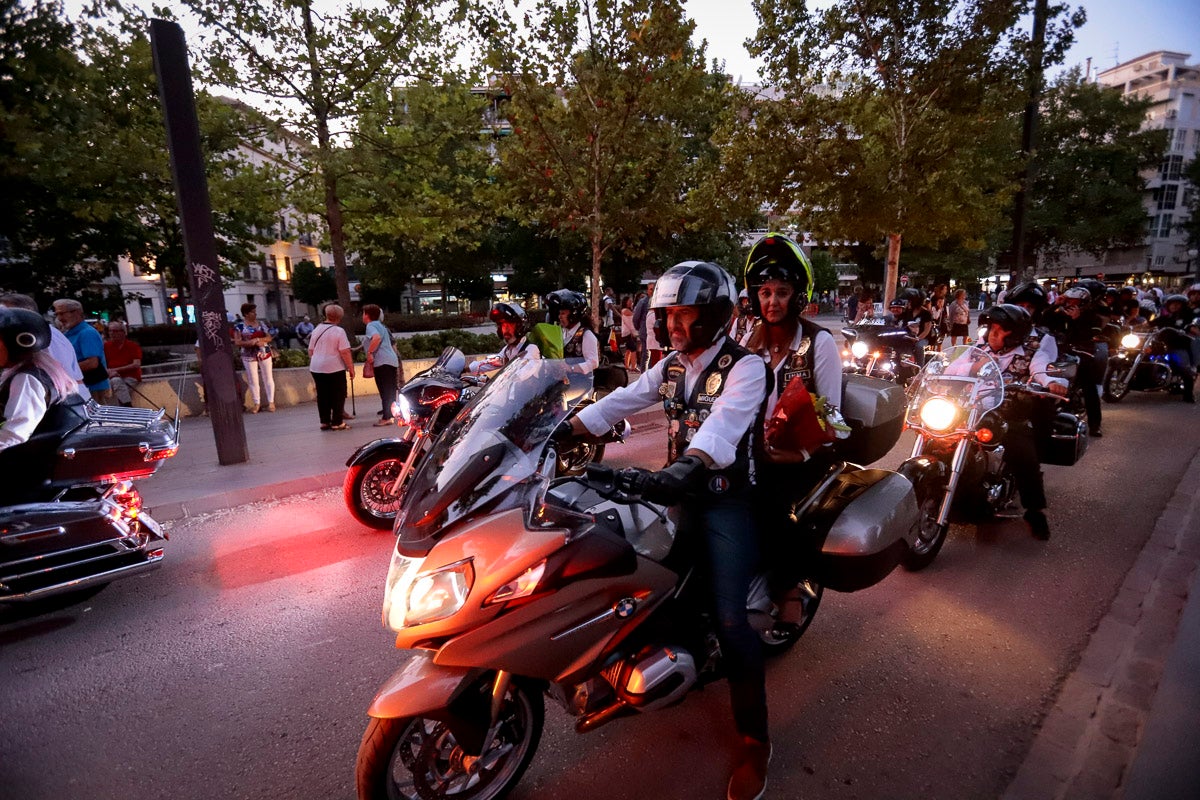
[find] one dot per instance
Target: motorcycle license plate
(151, 526)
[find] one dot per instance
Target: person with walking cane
(330, 360)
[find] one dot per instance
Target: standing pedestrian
(88, 346)
(253, 340)
(329, 361)
(382, 358)
(960, 318)
(629, 334)
(640, 307)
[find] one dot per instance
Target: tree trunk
(597, 255)
(333, 204)
(891, 274)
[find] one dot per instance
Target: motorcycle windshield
(966, 376)
(484, 459)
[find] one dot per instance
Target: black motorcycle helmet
(1094, 288)
(23, 332)
(509, 312)
(572, 301)
(703, 285)
(1013, 319)
(913, 298)
(1030, 293)
(1174, 298)
(776, 257)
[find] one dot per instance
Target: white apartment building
(265, 282)
(1167, 79)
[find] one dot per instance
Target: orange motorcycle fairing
(420, 687)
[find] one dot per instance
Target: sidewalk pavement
(1125, 722)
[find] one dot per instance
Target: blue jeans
(724, 530)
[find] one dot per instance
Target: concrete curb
(1088, 743)
(218, 500)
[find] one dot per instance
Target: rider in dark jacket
(1179, 318)
(1008, 330)
(712, 391)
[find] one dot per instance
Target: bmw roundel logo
(625, 607)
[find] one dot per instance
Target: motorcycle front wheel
(931, 536)
(366, 488)
(417, 758)
(1116, 384)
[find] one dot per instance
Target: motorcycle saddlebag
(1068, 440)
(874, 512)
(874, 410)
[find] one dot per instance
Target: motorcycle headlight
(858, 349)
(402, 409)
(414, 598)
(1130, 341)
(939, 414)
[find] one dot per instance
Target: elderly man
(89, 347)
(60, 348)
(124, 358)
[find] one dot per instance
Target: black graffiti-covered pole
(199, 246)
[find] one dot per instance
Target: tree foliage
(893, 119)
(1088, 189)
(316, 69)
(311, 284)
(86, 177)
(613, 111)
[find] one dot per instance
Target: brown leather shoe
(749, 778)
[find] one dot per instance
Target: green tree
(316, 69)
(312, 285)
(1191, 225)
(825, 277)
(418, 169)
(895, 121)
(1088, 188)
(613, 110)
(90, 175)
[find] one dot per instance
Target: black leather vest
(574, 347)
(802, 363)
(685, 415)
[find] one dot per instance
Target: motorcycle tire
(1116, 385)
(778, 638)
(417, 758)
(574, 460)
(364, 488)
(932, 535)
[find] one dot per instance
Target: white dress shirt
(590, 344)
(827, 368)
(732, 414)
(25, 408)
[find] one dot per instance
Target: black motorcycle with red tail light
(71, 519)
(959, 409)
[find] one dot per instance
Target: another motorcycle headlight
(858, 349)
(1130, 341)
(939, 414)
(413, 598)
(402, 409)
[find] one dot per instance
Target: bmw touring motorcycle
(507, 586)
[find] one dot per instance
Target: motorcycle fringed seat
(1067, 440)
(874, 410)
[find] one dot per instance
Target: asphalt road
(244, 666)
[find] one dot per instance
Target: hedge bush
(156, 335)
(431, 345)
(432, 322)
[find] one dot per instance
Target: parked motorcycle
(876, 348)
(379, 471)
(506, 585)
(957, 464)
(1144, 363)
(71, 519)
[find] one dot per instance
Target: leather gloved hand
(563, 434)
(667, 486)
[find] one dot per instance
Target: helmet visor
(682, 290)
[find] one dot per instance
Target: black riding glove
(667, 486)
(563, 435)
